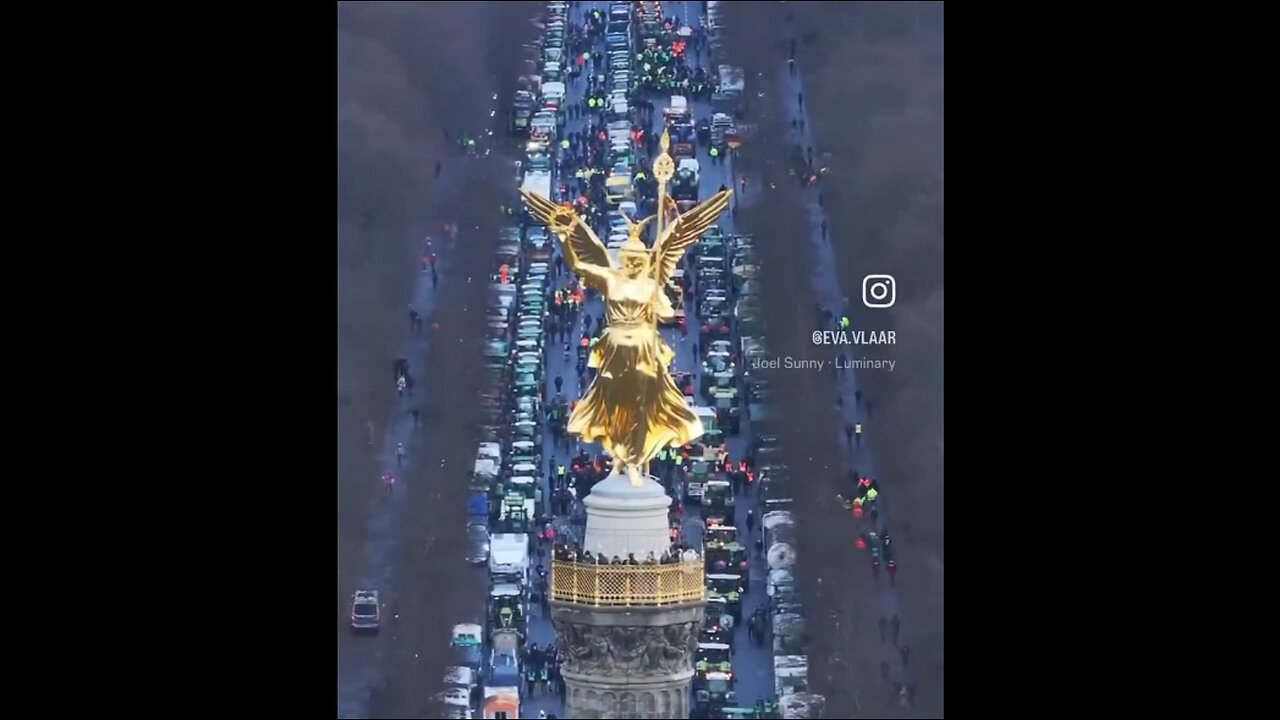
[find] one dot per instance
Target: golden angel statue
(633, 406)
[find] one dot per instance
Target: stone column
(627, 662)
(624, 659)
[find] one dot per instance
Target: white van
(509, 556)
(553, 91)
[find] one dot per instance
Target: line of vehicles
(731, 337)
(722, 278)
(505, 500)
(710, 479)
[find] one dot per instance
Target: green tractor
(506, 608)
(527, 429)
(717, 497)
(727, 558)
(729, 586)
(728, 412)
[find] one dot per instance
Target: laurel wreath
(562, 221)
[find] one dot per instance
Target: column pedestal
(627, 662)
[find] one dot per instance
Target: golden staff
(664, 168)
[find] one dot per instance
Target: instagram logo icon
(879, 291)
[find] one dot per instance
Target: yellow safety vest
(857, 428)
(872, 493)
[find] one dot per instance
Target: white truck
(553, 91)
(509, 557)
(459, 682)
(619, 132)
(488, 463)
(802, 706)
(678, 110)
(486, 471)
(539, 182)
(732, 79)
(790, 674)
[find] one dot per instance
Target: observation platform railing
(628, 585)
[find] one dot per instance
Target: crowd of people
(677, 552)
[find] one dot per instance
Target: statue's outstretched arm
(592, 275)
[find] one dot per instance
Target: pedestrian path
(362, 661)
(829, 293)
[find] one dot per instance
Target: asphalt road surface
(752, 664)
(826, 288)
(361, 659)
(367, 664)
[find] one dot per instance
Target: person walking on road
(896, 624)
(824, 229)
(857, 399)
(848, 434)
(401, 385)
(416, 416)
(892, 569)
(399, 454)
(389, 483)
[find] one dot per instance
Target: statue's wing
(580, 241)
(684, 232)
